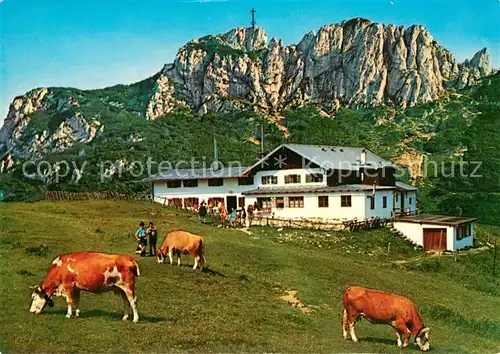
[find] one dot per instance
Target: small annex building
(437, 232)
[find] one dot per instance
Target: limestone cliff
(356, 63)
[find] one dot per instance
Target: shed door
(435, 239)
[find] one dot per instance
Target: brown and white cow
(177, 242)
(88, 271)
(384, 308)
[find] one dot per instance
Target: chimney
(363, 156)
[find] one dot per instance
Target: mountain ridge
(356, 63)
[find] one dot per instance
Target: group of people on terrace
(235, 217)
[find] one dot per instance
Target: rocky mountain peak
(482, 62)
(246, 39)
(471, 71)
(355, 63)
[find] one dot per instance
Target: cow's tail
(201, 252)
(134, 267)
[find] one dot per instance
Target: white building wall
(415, 232)
(379, 211)
(311, 207)
(203, 191)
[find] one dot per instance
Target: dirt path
(291, 299)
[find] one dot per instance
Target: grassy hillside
(235, 305)
(461, 126)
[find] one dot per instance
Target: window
(323, 201)
(241, 202)
(291, 179)
(397, 197)
(296, 202)
(410, 201)
(280, 202)
(174, 184)
(269, 179)
(190, 183)
(346, 201)
(372, 202)
(384, 202)
(464, 230)
(264, 203)
(191, 202)
(216, 182)
(245, 181)
(314, 178)
(215, 201)
(175, 202)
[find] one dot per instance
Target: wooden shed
(437, 232)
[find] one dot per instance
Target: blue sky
(92, 44)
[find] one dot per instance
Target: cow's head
(39, 300)
(160, 257)
(422, 339)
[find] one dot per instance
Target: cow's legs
(76, 300)
(400, 344)
(351, 320)
(401, 327)
(170, 257)
(353, 334)
(344, 324)
(200, 260)
(129, 293)
(69, 302)
(126, 305)
(197, 259)
(178, 254)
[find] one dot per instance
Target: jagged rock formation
(163, 99)
(25, 142)
(478, 67)
(76, 129)
(20, 112)
(356, 63)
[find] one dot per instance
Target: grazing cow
(384, 308)
(89, 271)
(182, 242)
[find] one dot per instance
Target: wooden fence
(103, 195)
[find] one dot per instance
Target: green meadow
(234, 305)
